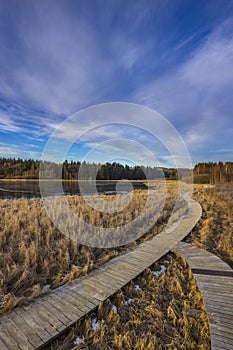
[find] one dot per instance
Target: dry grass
(35, 254)
(214, 231)
(224, 192)
(163, 312)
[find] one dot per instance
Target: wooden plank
(111, 285)
(84, 304)
(217, 320)
(53, 322)
(141, 260)
(28, 331)
(17, 334)
(40, 319)
(67, 300)
(60, 317)
(124, 274)
(64, 307)
(117, 276)
(213, 286)
(224, 334)
(7, 340)
(218, 300)
(3, 345)
(98, 290)
(27, 325)
(219, 344)
(218, 295)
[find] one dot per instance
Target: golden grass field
(36, 257)
(165, 312)
(214, 231)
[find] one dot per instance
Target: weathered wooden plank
(27, 325)
(116, 275)
(7, 340)
(33, 326)
(44, 328)
(214, 286)
(221, 301)
(14, 331)
(60, 317)
(99, 291)
(53, 322)
(219, 344)
(125, 274)
(111, 285)
(82, 303)
(64, 307)
(3, 345)
(217, 320)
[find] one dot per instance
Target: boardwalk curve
(215, 280)
(32, 326)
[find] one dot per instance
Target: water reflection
(13, 189)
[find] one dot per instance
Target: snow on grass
(129, 301)
(163, 268)
(137, 287)
(95, 324)
(45, 288)
(79, 341)
(114, 308)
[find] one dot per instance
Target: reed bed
(161, 309)
(224, 191)
(214, 231)
(36, 257)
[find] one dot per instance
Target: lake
(14, 189)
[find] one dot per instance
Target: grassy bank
(214, 230)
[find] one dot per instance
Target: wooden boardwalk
(215, 280)
(34, 325)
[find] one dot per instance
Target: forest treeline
(11, 168)
(213, 173)
(209, 173)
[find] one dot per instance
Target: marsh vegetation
(214, 231)
(36, 256)
(161, 309)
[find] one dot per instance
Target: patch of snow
(79, 340)
(95, 324)
(160, 272)
(128, 301)
(114, 308)
(45, 288)
(137, 287)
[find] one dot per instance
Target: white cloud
(7, 123)
(9, 150)
(63, 63)
(195, 96)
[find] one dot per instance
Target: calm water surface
(30, 189)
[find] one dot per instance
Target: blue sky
(174, 56)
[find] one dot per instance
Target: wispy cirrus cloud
(195, 95)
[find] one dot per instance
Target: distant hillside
(213, 173)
